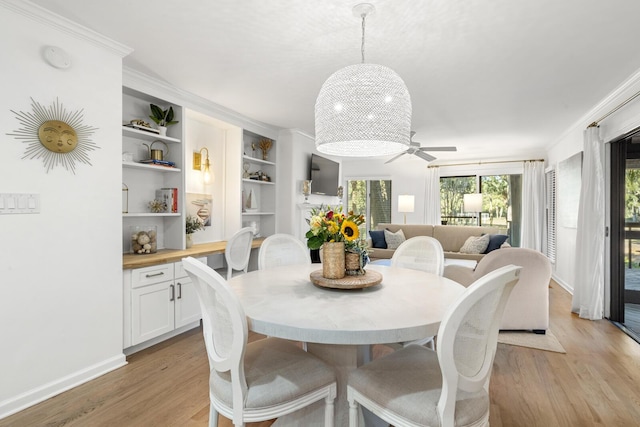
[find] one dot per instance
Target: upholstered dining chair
(282, 249)
(257, 381)
(420, 253)
(238, 251)
(416, 386)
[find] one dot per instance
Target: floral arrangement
(193, 224)
(332, 225)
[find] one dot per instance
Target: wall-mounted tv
(324, 176)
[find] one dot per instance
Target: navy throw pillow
(495, 241)
(377, 239)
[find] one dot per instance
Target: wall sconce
(473, 203)
(198, 165)
(406, 204)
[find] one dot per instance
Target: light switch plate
(19, 203)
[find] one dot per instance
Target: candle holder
(306, 189)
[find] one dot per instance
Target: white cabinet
(161, 299)
(258, 185)
(142, 180)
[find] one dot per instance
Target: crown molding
(148, 84)
(618, 95)
(51, 19)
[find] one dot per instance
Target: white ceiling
(489, 76)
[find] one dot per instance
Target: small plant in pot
(192, 224)
(162, 118)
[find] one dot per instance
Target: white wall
(61, 270)
(571, 142)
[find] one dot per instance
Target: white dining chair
(238, 251)
(419, 253)
(416, 386)
(282, 249)
(257, 381)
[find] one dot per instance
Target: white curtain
(533, 206)
(432, 196)
(588, 293)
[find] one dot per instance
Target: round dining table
(339, 326)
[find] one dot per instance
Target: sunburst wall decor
(55, 135)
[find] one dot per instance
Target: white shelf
(255, 181)
(149, 214)
(149, 136)
(157, 168)
(257, 161)
(257, 213)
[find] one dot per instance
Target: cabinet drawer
(181, 272)
(150, 275)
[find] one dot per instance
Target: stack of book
(170, 197)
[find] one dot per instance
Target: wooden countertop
(164, 256)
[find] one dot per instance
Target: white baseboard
(22, 401)
(563, 284)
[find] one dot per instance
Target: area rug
(547, 342)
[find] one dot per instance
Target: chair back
(282, 249)
(420, 253)
(468, 337)
(238, 251)
(224, 324)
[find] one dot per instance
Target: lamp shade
(363, 110)
(473, 202)
(406, 203)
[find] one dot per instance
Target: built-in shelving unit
(261, 187)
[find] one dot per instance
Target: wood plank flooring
(596, 383)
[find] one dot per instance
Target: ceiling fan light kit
(363, 110)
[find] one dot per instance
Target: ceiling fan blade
(450, 148)
(424, 156)
(393, 158)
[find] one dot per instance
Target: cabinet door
(152, 311)
(187, 304)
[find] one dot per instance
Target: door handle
(173, 293)
(179, 290)
(154, 274)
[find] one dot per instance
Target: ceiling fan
(414, 148)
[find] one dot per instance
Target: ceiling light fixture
(363, 110)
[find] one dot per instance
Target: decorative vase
(189, 240)
(265, 155)
(354, 264)
(333, 257)
(162, 130)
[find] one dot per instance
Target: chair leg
(353, 413)
(329, 411)
(213, 416)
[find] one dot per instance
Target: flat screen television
(324, 176)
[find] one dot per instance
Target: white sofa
(528, 304)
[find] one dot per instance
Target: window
(551, 215)
(372, 199)
(501, 202)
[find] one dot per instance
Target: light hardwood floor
(596, 383)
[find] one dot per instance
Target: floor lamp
(473, 203)
(406, 204)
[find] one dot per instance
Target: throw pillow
(377, 239)
(475, 244)
(495, 241)
(394, 239)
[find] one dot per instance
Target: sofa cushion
(377, 239)
(475, 244)
(394, 239)
(409, 230)
(452, 237)
(495, 242)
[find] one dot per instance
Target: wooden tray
(370, 278)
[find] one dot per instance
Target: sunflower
(350, 230)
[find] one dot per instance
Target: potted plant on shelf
(192, 224)
(162, 118)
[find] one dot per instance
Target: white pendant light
(363, 110)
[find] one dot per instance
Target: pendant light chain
(364, 15)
